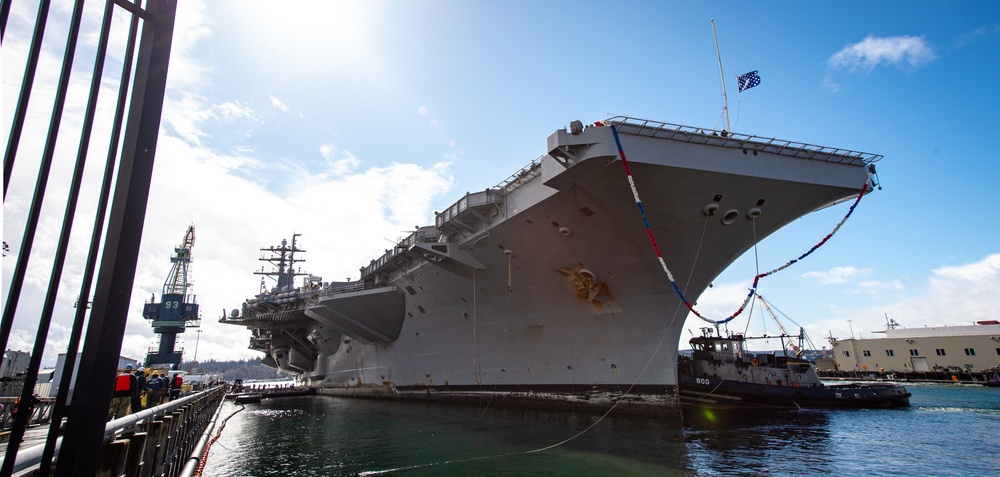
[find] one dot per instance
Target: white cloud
(187, 73)
(837, 275)
(717, 303)
(875, 287)
(278, 104)
(233, 110)
(874, 51)
(234, 216)
(952, 295)
(223, 195)
(973, 275)
(187, 113)
(338, 165)
(976, 35)
(948, 296)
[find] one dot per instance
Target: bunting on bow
(756, 279)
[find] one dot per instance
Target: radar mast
(283, 260)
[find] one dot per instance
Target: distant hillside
(233, 370)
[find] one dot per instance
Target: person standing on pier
(140, 378)
(155, 387)
(126, 387)
(175, 386)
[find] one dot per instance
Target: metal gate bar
(85, 419)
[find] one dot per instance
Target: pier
(167, 440)
(956, 377)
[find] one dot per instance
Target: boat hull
(714, 393)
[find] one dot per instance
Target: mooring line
(204, 455)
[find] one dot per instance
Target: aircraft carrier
(547, 290)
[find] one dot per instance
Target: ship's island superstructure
(545, 290)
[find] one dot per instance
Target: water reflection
(319, 435)
(757, 442)
(324, 436)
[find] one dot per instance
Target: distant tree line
(232, 370)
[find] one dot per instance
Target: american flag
(748, 80)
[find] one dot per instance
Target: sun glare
(340, 29)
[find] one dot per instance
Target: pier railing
(159, 441)
(41, 411)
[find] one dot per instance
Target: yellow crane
(784, 333)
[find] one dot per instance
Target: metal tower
(283, 259)
(176, 310)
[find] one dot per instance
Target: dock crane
(798, 348)
(177, 310)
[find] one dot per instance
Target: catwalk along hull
(546, 290)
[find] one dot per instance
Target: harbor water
(948, 430)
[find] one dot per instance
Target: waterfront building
(932, 349)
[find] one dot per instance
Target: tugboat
(992, 377)
(722, 374)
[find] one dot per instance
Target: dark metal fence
(160, 441)
(41, 411)
(140, 93)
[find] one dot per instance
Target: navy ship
(556, 287)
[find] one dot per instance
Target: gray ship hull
(546, 290)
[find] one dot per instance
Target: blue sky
(352, 122)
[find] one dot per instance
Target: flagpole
(725, 102)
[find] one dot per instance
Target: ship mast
(725, 102)
(176, 310)
(283, 260)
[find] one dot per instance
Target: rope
(204, 455)
(756, 279)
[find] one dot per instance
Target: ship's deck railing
(331, 291)
(382, 261)
(516, 179)
(677, 132)
(470, 200)
(301, 295)
(421, 235)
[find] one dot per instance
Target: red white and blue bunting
(756, 279)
